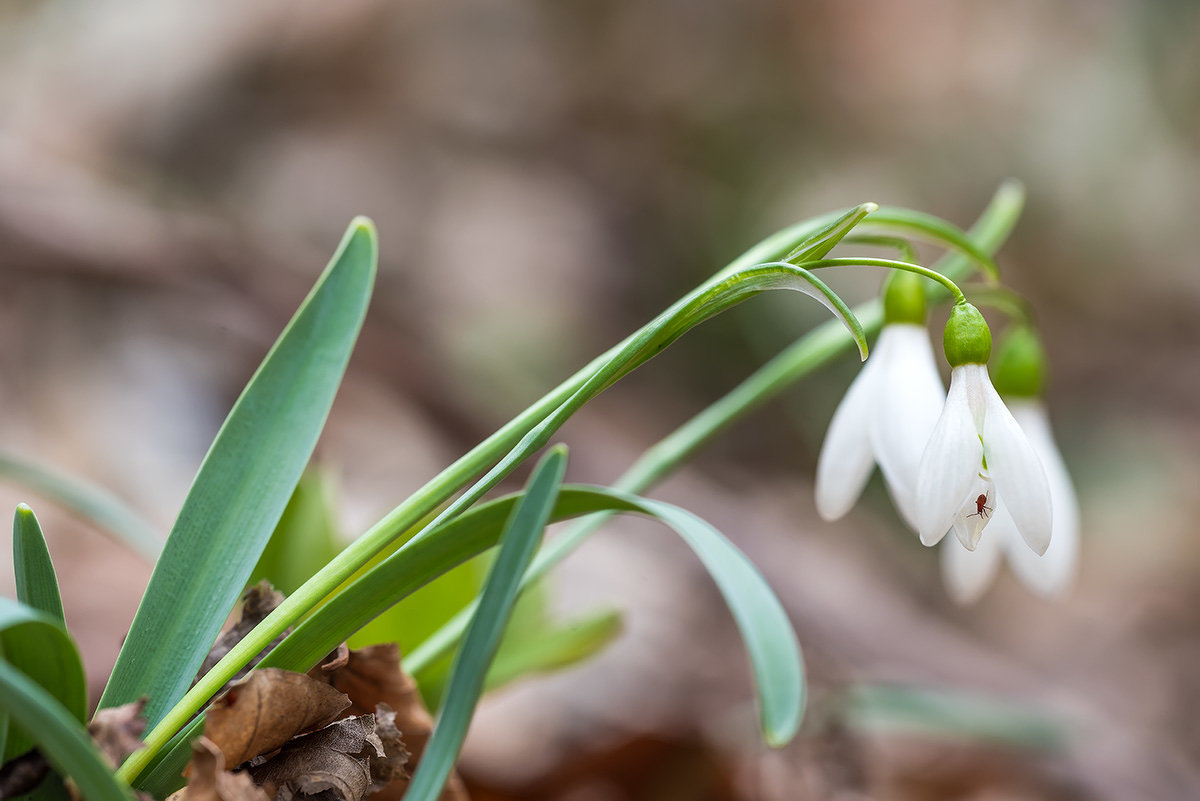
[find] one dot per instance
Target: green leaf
(818, 245)
(552, 649)
(88, 501)
(37, 585)
(38, 646)
(244, 485)
(770, 641)
(415, 565)
(951, 715)
(519, 438)
(518, 543)
(59, 735)
(306, 537)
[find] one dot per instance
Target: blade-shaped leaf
(37, 585)
(87, 500)
(407, 570)
(557, 647)
(511, 445)
(952, 715)
(60, 735)
(820, 243)
(38, 646)
(244, 485)
(518, 543)
(769, 639)
(305, 538)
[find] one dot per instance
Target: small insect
(981, 507)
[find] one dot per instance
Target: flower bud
(904, 298)
(967, 338)
(1020, 367)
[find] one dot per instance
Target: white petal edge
(969, 522)
(967, 574)
(1017, 472)
(1049, 575)
(949, 465)
(911, 397)
(845, 462)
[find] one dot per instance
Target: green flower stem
(810, 352)
(937, 231)
(417, 507)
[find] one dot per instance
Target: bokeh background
(545, 177)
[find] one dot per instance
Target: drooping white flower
(977, 457)
(1020, 375)
(886, 415)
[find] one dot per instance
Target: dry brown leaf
(260, 714)
(373, 676)
(209, 781)
(257, 602)
(336, 660)
(391, 766)
(334, 763)
(117, 731)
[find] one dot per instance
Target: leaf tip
(363, 224)
(778, 733)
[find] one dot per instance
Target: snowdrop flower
(978, 457)
(888, 413)
(1020, 371)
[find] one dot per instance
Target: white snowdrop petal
(910, 401)
(1018, 473)
(967, 574)
(846, 460)
(970, 520)
(976, 384)
(1052, 573)
(949, 465)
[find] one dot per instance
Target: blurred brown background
(545, 177)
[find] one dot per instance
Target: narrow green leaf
(38, 646)
(518, 544)
(808, 354)
(952, 715)
(37, 585)
(306, 537)
(820, 243)
(413, 566)
(426, 500)
(770, 641)
(90, 502)
(766, 632)
(244, 485)
(553, 649)
(59, 735)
